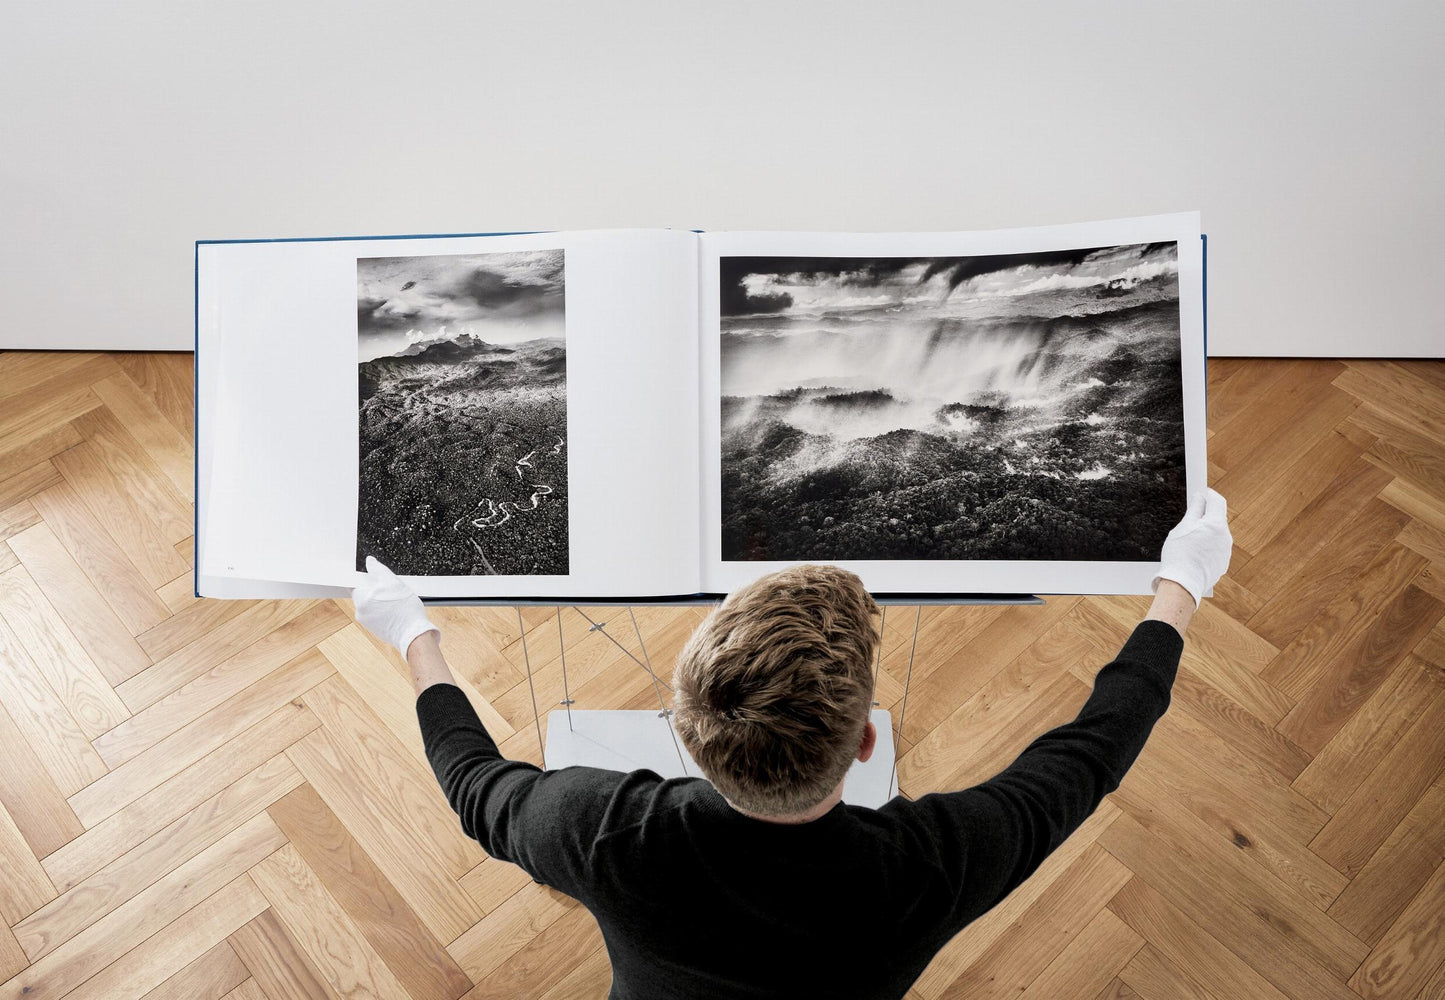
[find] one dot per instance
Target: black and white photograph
(462, 423)
(1022, 406)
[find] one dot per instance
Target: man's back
(696, 899)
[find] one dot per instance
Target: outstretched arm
(542, 821)
(991, 837)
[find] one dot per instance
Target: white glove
(389, 608)
(1196, 553)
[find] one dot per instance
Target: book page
(1005, 412)
(491, 416)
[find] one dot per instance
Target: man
(760, 882)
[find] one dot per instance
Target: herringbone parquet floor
(206, 799)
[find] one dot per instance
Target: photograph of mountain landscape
(1014, 406)
(463, 414)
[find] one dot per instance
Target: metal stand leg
(907, 681)
(536, 716)
(600, 627)
(562, 651)
(666, 713)
(878, 660)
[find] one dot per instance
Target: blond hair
(773, 690)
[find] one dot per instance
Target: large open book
(651, 414)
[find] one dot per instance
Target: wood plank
(210, 977)
(30, 795)
(82, 903)
(91, 619)
(374, 675)
(137, 412)
(1262, 458)
(155, 810)
(106, 564)
(1390, 409)
(935, 765)
(329, 936)
(1333, 568)
(1360, 667)
(966, 949)
(1362, 824)
(62, 396)
(1279, 560)
(25, 886)
(61, 660)
(12, 959)
(168, 383)
(592, 978)
(190, 624)
(1398, 393)
(355, 728)
(484, 947)
(1242, 387)
(225, 680)
(1089, 963)
(188, 744)
(25, 483)
(17, 517)
(208, 650)
(1163, 799)
(1402, 451)
(545, 960)
(419, 961)
(108, 939)
(472, 650)
(1209, 966)
(1228, 773)
(992, 649)
(1424, 539)
(35, 451)
(250, 991)
(280, 967)
(1058, 917)
(1419, 503)
(1237, 726)
(493, 882)
(171, 509)
(1001, 717)
(179, 595)
(91, 475)
(1278, 933)
(1359, 745)
(1344, 624)
(1396, 872)
(1411, 950)
(1151, 976)
(375, 807)
(174, 947)
(42, 718)
(21, 370)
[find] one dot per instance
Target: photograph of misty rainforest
(1018, 406)
(463, 414)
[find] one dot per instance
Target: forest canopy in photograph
(1014, 406)
(462, 430)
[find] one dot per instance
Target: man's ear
(869, 741)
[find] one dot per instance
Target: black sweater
(696, 900)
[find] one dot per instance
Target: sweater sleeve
(543, 821)
(988, 839)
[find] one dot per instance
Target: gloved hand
(1196, 553)
(389, 608)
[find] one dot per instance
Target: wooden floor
(206, 799)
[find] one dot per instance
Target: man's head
(774, 688)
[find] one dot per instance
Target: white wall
(1311, 136)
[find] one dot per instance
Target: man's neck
(806, 816)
